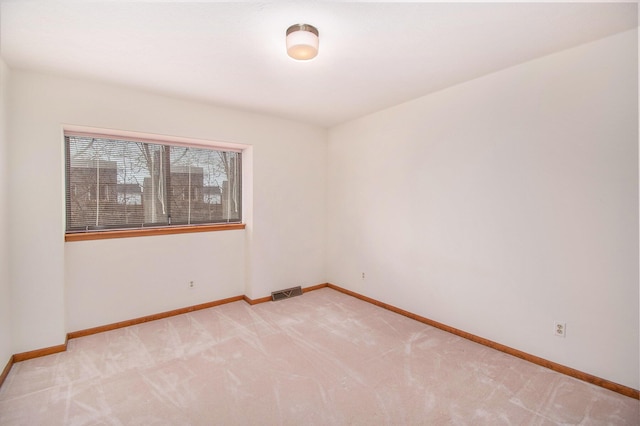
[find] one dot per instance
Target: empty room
(319, 213)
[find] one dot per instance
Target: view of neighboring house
(98, 200)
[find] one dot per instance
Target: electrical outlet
(560, 329)
(192, 284)
(363, 275)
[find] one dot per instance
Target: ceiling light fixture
(302, 42)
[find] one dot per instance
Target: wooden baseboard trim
(315, 287)
(100, 329)
(621, 389)
(141, 320)
(23, 356)
(586, 377)
(268, 298)
(256, 301)
(6, 370)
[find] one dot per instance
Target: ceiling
(372, 55)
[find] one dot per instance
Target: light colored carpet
(323, 358)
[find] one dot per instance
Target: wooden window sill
(147, 232)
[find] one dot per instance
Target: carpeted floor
(323, 358)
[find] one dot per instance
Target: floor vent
(286, 293)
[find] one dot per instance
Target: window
(126, 183)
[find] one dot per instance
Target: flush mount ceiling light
(302, 42)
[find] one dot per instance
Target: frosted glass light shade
(302, 42)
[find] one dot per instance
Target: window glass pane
(115, 183)
(203, 186)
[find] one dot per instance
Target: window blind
(114, 183)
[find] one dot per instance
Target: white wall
(100, 282)
(503, 204)
(6, 346)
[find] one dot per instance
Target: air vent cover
(286, 293)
